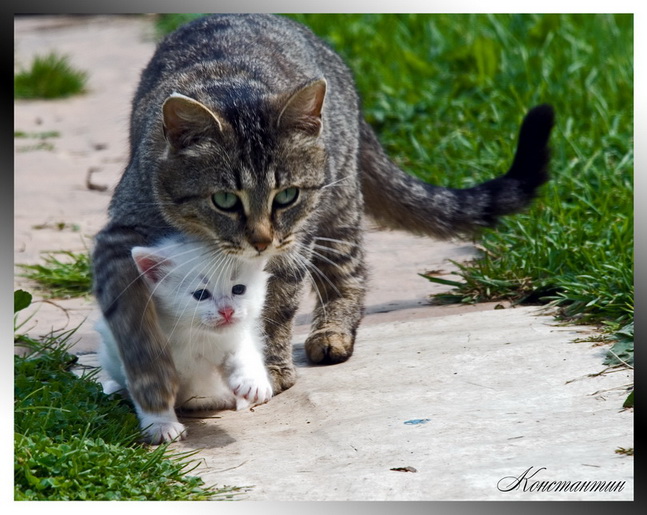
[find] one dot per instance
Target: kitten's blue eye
(286, 197)
(202, 295)
(226, 200)
(238, 289)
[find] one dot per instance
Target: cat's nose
(260, 246)
(226, 313)
(260, 234)
(260, 241)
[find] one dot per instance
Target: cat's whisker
(321, 274)
(301, 264)
(138, 277)
(329, 249)
(268, 320)
(175, 257)
(341, 242)
(324, 258)
(212, 264)
(150, 300)
(215, 262)
(336, 183)
(329, 261)
(308, 266)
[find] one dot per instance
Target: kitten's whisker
(215, 262)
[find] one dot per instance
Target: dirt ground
(462, 395)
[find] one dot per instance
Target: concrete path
(438, 402)
(464, 400)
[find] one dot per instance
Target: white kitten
(209, 307)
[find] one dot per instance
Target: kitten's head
(195, 286)
(246, 172)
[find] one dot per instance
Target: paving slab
(437, 403)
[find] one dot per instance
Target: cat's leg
(109, 360)
(156, 427)
(246, 373)
(339, 273)
(160, 427)
(131, 317)
(284, 290)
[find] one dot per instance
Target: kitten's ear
(302, 111)
(151, 264)
(186, 121)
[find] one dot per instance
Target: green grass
(167, 23)
(41, 138)
(49, 76)
(72, 442)
(36, 135)
(62, 278)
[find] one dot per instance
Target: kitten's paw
(110, 387)
(161, 427)
(250, 389)
(329, 347)
(282, 377)
(162, 432)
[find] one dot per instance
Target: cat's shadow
(202, 434)
(299, 356)
(203, 429)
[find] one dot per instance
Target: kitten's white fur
(216, 342)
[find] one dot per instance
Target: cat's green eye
(286, 197)
(226, 200)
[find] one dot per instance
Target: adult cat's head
(246, 171)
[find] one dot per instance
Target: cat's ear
(186, 121)
(302, 110)
(151, 264)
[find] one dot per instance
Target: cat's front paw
(161, 428)
(250, 389)
(163, 432)
(329, 347)
(282, 377)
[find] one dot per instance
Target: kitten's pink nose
(226, 313)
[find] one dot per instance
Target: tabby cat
(246, 133)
